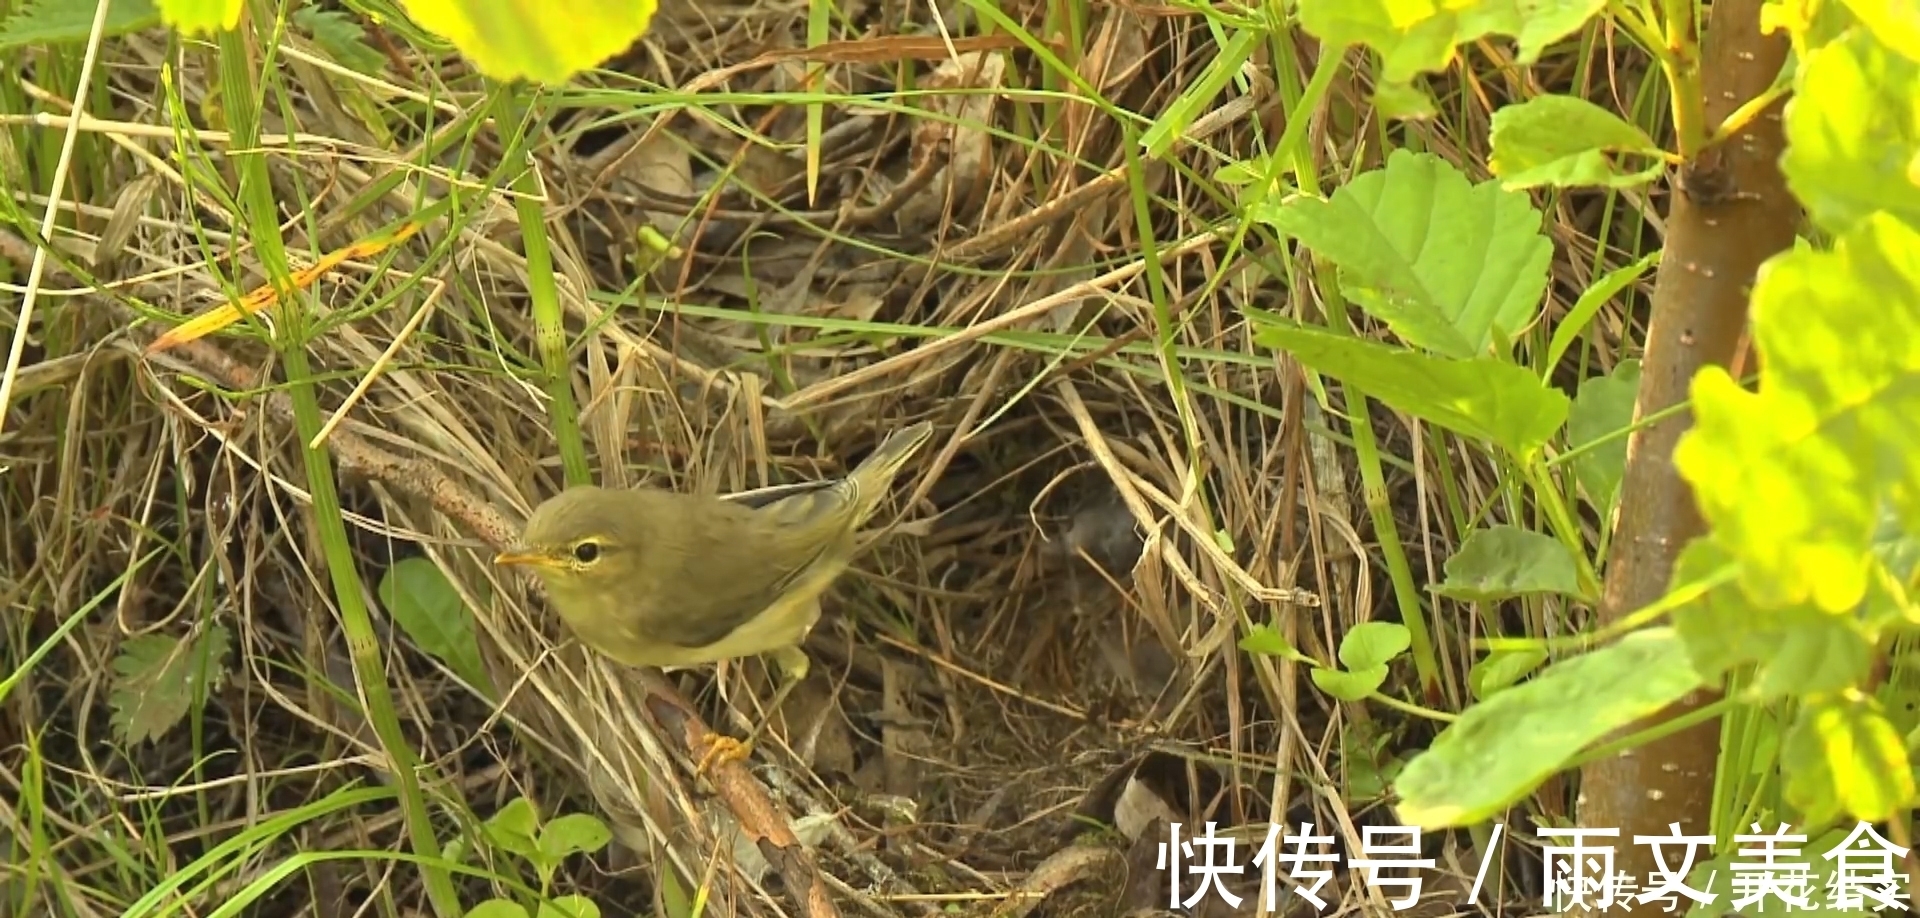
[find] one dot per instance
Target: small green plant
(1364, 653)
(427, 607)
(516, 830)
(160, 679)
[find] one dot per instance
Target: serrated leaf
(571, 834)
(60, 22)
(1422, 38)
(1568, 142)
(425, 606)
(1490, 399)
(1450, 266)
(1501, 669)
(1853, 134)
(1795, 649)
(1349, 685)
(1502, 748)
(1373, 644)
(1843, 757)
(510, 39)
(158, 678)
(1603, 408)
(1501, 562)
(201, 17)
(1792, 478)
(338, 34)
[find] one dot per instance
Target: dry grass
(1052, 610)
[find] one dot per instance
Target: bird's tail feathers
(893, 452)
(873, 475)
(851, 500)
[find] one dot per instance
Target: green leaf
(1410, 45)
(1485, 398)
(63, 22)
(426, 606)
(1792, 478)
(1900, 704)
(573, 833)
(497, 908)
(340, 35)
(1450, 266)
(1853, 134)
(1369, 764)
(1843, 757)
(510, 39)
(1350, 685)
(1403, 101)
(1543, 22)
(1264, 640)
(1501, 562)
(1371, 644)
(1197, 95)
(512, 828)
(1796, 649)
(1602, 292)
(159, 678)
(1501, 669)
(1894, 22)
(1502, 748)
(201, 17)
(1240, 172)
(1568, 142)
(1603, 408)
(569, 906)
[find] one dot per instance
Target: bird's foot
(721, 749)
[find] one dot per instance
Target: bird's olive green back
(798, 541)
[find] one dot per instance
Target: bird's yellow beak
(522, 556)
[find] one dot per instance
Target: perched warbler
(651, 577)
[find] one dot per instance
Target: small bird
(651, 577)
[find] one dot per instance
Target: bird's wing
(824, 505)
(760, 498)
(762, 564)
(783, 544)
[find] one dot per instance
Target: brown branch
(1731, 212)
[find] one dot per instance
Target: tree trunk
(1730, 212)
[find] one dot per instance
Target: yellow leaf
(193, 17)
(261, 297)
(544, 42)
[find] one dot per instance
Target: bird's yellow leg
(793, 665)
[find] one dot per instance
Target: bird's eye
(586, 552)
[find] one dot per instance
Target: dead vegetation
(1023, 682)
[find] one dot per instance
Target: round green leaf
(574, 832)
(1371, 644)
